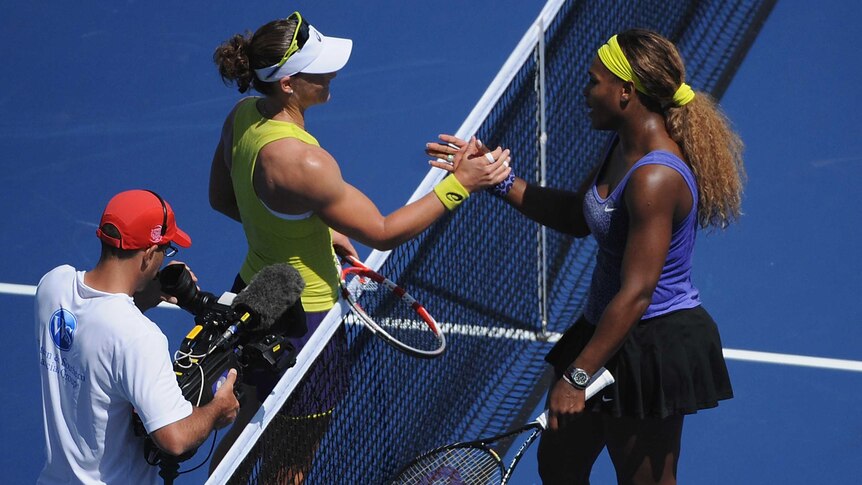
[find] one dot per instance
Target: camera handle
(169, 469)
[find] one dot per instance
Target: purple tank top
(608, 222)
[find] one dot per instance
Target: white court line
(13, 289)
(511, 333)
(731, 354)
(790, 359)
(30, 290)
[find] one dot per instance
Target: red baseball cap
(143, 219)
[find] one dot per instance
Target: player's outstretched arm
(555, 208)
(318, 184)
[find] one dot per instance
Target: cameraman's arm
(188, 433)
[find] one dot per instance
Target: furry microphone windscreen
(271, 292)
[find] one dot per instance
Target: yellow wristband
(450, 192)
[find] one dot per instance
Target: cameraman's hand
(225, 401)
(188, 433)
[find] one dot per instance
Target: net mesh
(364, 409)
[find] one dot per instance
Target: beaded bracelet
(503, 188)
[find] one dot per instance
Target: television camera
(249, 329)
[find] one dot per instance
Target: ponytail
(694, 121)
(714, 152)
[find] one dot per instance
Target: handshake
(458, 156)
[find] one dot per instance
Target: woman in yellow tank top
(272, 176)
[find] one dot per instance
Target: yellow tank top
(305, 244)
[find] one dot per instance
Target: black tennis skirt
(668, 365)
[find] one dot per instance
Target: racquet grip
(600, 380)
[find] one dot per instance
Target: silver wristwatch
(577, 377)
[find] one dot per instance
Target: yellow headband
(613, 58)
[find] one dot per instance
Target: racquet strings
(463, 465)
(392, 313)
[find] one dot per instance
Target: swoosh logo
(607, 399)
(610, 208)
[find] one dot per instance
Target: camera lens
(177, 282)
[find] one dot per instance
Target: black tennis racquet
(399, 319)
(474, 462)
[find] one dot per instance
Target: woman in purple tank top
(673, 164)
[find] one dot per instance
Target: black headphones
(164, 212)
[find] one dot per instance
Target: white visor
(319, 55)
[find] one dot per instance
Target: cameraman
(101, 358)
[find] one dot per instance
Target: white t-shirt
(99, 358)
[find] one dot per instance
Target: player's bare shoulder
(299, 158)
(299, 168)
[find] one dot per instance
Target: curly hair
(240, 55)
(708, 142)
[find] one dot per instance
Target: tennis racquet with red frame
(475, 462)
(407, 325)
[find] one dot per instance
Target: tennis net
(375, 408)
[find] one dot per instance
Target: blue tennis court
(103, 98)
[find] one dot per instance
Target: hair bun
(231, 57)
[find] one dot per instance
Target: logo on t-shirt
(63, 327)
